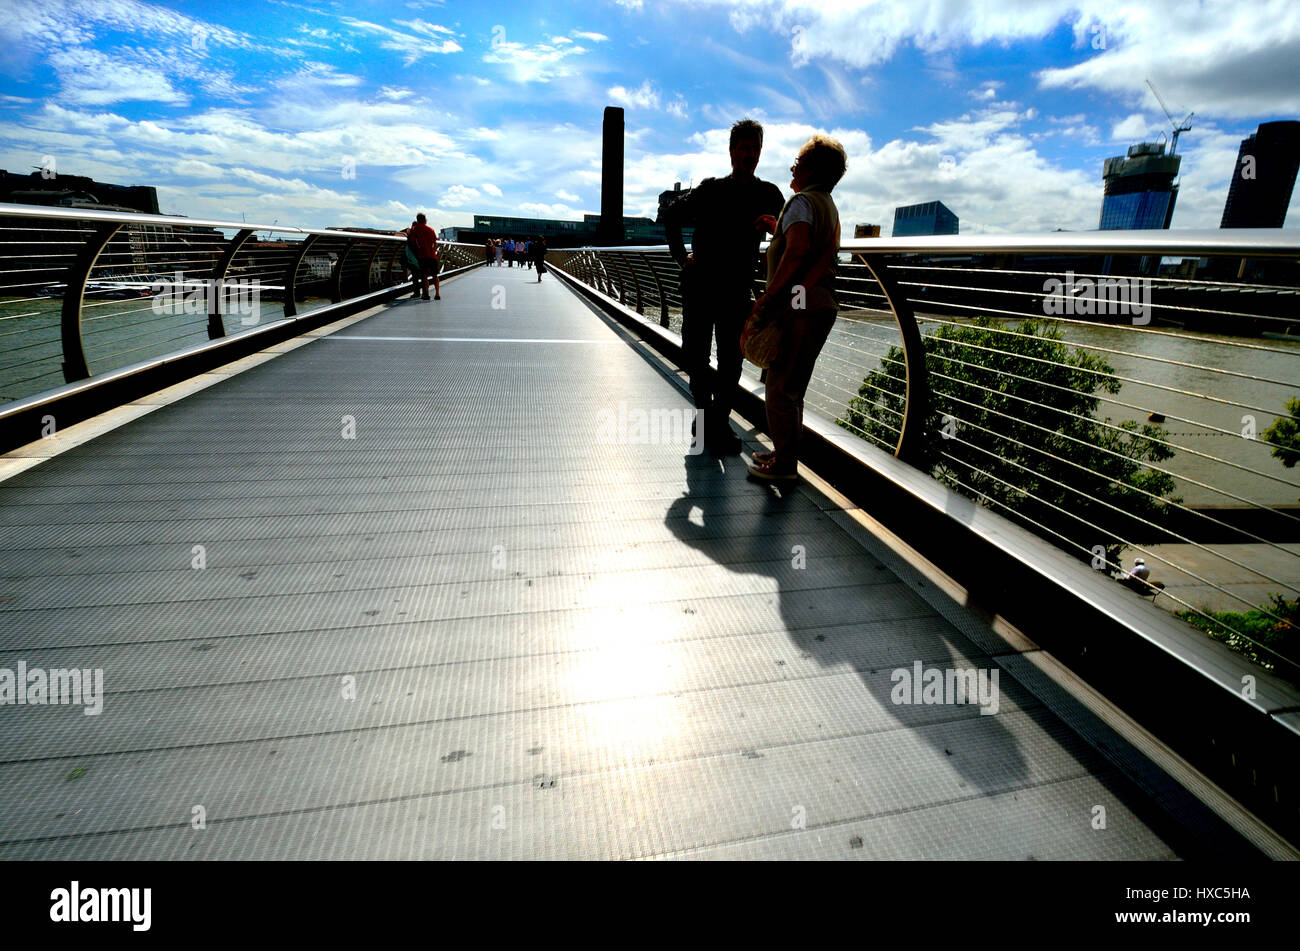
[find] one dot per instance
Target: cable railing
(1125, 395)
(85, 292)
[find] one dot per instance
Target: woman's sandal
(763, 457)
(767, 472)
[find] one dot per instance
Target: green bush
(1019, 406)
(1285, 433)
(1250, 629)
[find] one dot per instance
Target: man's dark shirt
(723, 212)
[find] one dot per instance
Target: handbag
(760, 340)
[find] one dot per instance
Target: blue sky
(318, 114)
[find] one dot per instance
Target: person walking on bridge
(731, 216)
(538, 251)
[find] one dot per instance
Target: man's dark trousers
(710, 308)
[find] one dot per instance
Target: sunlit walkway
(405, 592)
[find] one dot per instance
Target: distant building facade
(931, 217)
(866, 231)
(1140, 192)
(558, 233)
(667, 198)
(1263, 177)
(76, 191)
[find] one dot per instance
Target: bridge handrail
(1252, 242)
(143, 218)
(86, 292)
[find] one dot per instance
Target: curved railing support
(916, 405)
(663, 298)
(217, 326)
(291, 276)
(74, 352)
(336, 279)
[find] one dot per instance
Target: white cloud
(1217, 57)
(594, 37)
(433, 39)
(1134, 127)
(644, 96)
(91, 78)
(535, 63)
(1234, 58)
(534, 209)
(492, 190)
(567, 196)
(458, 195)
(193, 168)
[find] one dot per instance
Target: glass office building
(932, 217)
(1140, 192)
(1263, 177)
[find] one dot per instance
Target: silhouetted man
(731, 215)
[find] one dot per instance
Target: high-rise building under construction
(1140, 190)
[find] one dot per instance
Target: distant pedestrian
(487, 252)
(496, 246)
(538, 251)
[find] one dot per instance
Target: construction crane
(1177, 126)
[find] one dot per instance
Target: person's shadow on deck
(762, 543)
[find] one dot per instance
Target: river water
(1232, 393)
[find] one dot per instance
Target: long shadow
(808, 613)
(833, 637)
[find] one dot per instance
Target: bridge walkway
(418, 588)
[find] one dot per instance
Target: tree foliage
(1285, 434)
(1012, 422)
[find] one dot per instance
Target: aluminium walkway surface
(442, 613)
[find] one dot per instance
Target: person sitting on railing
(800, 294)
(729, 215)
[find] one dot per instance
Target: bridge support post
(74, 351)
(217, 326)
(916, 408)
